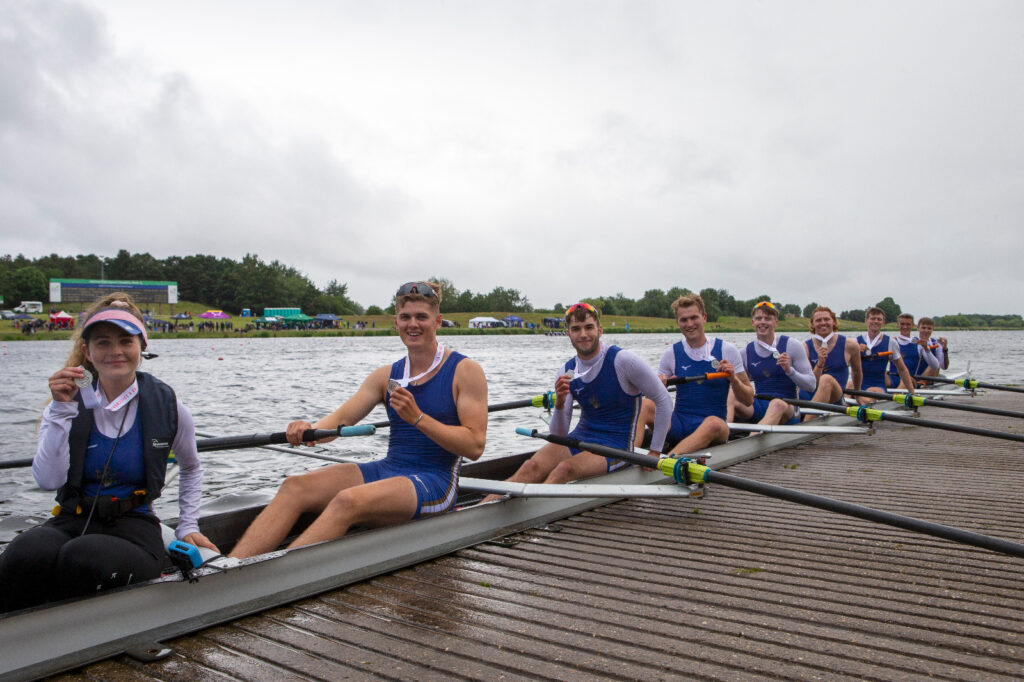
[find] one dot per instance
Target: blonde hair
(688, 300)
(118, 299)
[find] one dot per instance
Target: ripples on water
(241, 386)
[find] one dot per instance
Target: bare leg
(381, 503)
(737, 410)
(779, 412)
(582, 465)
(309, 492)
(829, 391)
(537, 468)
(711, 431)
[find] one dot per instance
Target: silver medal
(84, 381)
(569, 373)
(775, 355)
(714, 363)
(393, 385)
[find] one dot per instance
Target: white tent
(483, 321)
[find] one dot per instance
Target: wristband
(418, 419)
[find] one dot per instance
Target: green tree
(28, 284)
(890, 307)
(855, 315)
(809, 308)
(654, 303)
(790, 310)
(375, 310)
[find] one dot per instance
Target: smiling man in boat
(915, 357)
(609, 383)
(878, 351)
(700, 415)
(834, 358)
(936, 347)
(778, 366)
(436, 401)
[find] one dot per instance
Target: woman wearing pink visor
(103, 445)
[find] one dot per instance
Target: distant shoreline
(712, 329)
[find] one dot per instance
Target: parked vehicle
(29, 307)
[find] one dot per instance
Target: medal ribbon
(125, 398)
(764, 345)
(872, 342)
(406, 380)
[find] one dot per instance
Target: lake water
(243, 386)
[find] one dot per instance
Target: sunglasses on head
(584, 306)
(421, 288)
(764, 304)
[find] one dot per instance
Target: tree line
(221, 282)
(252, 283)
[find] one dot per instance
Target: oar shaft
(918, 401)
(807, 499)
(970, 383)
(868, 414)
(868, 514)
(16, 463)
(260, 439)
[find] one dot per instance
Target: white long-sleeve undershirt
(53, 455)
(634, 376)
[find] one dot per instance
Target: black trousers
(55, 561)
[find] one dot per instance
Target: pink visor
(121, 318)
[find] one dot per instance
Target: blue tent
(513, 321)
(327, 317)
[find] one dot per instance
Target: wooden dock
(734, 586)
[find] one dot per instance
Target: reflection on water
(239, 386)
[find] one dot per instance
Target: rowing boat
(51, 638)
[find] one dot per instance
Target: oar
(970, 383)
(699, 377)
(687, 472)
(867, 414)
(15, 463)
(259, 439)
(919, 401)
(872, 356)
(545, 400)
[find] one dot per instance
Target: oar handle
(872, 356)
(700, 377)
(544, 400)
(16, 463)
(257, 439)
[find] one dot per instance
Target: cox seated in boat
(609, 383)
(104, 444)
(436, 401)
(701, 408)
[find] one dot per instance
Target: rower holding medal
(778, 366)
(702, 407)
(835, 359)
(104, 443)
(609, 384)
(436, 401)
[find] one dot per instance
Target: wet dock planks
(734, 586)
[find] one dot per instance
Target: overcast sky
(835, 152)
